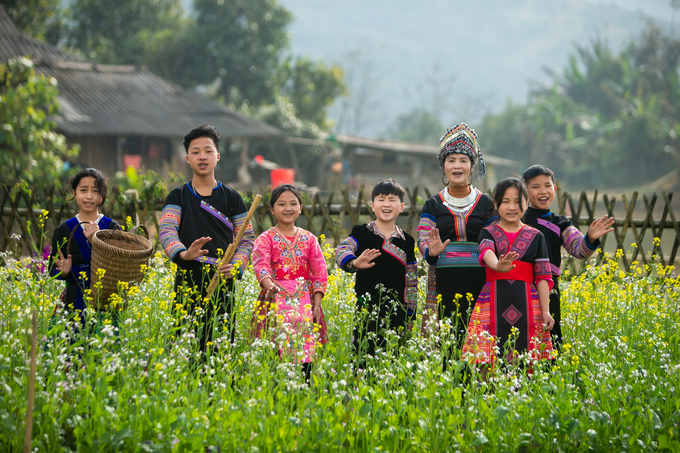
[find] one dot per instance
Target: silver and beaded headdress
(462, 140)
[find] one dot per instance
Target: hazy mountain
(402, 54)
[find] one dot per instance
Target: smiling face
(387, 207)
(457, 169)
(202, 156)
(87, 195)
(512, 206)
(286, 208)
(541, 191)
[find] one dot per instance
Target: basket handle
(143, 228)
(68, 251)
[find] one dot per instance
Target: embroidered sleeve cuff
(594, 246)
(345, 264)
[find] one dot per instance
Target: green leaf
(479, 439)
(120, 435)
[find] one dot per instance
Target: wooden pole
(31, 385)
(229, 253)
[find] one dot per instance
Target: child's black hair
(99, 181)
(203, 131)
(537, 170)
(276, 193)
(388, 187)
(504, 184)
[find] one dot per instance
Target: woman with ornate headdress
(449, 226)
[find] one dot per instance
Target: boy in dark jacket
(383, 257)
(200, 219)
(558, 231)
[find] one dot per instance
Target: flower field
(129, 382)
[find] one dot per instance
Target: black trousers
(191, 291)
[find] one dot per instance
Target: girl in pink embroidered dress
(291, 270)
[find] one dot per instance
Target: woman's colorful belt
(459, 254)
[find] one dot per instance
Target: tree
(235, 45)
(120, 34)
(29, 147)
(607, 119)
(41, 19)
(312, 87)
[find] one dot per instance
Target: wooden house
(125, 115)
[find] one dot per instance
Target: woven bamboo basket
(121, 255)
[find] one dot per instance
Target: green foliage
(311, 87)
(607, 119)
(120, 33)
(233, 44)
(40, 19)
(30, 149)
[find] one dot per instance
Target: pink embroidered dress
(298, 267)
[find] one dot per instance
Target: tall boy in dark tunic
(383, 257)
(558, 231)
(199, 221)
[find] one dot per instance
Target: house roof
(409, 148)
(393, 146)
(123, 100)
(129, 100)
(13, 43)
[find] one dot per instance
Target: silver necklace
(460, 204)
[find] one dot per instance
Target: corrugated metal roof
(126, 100)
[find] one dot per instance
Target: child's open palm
(365, 260)
(196, 249)
(600, 227)
(505, 262)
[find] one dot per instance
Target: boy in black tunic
(383, 257)
(199, 221)
(558, 231)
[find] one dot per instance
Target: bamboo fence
(644, 231)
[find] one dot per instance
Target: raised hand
(89, 229)
(364, 261)
(600, 227)
(505, 262)
(195, 250)
(435, 244)
(63, 265)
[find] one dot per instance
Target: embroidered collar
(397, 232)
(539, 212)
(97, 220)
(190, 186)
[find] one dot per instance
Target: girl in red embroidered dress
(514, 301)
(291, 270)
